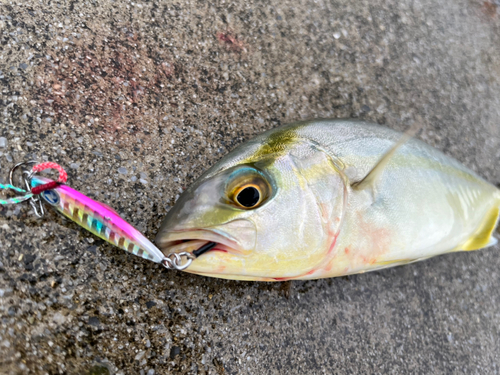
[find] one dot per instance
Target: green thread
(11, 187)
(15, 199)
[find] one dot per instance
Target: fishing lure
(94, 216)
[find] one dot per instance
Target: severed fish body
(329, 198)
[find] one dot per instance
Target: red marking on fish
(222, 251)
(280, 278)
(221, 268)
(375, 242)
(329, 265)
(332, 245)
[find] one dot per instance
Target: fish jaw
(235, 256)
(191, 240)
(235, 241)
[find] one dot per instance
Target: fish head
(264, 213)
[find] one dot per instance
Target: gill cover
(286, 228)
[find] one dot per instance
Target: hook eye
(11, 173)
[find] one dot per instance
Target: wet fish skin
(316, 222)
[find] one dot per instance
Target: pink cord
(63, 176)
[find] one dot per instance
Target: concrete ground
(136, 99)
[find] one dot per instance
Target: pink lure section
(99, 219)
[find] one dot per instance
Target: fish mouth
(191, 240)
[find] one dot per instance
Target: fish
(327, 198)
(99, 219)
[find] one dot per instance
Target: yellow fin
(371, 178)
(482, 237)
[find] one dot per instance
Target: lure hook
(13, 169)
(35, 198)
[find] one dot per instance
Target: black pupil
(248, 197)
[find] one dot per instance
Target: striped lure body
(98, 219)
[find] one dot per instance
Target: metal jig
(172, 261)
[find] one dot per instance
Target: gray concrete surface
(137, 98)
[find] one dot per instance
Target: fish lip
(175, 241)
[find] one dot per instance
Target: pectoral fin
(370, 180)
(482, 237)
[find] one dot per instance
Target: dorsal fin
(374, 174)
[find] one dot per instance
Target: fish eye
(248, 196)
(247, 188)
